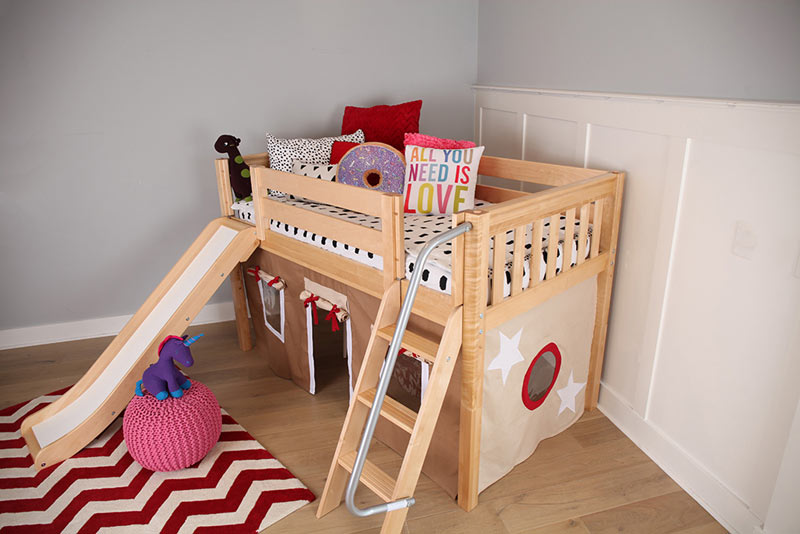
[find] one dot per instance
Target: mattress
(418, 230)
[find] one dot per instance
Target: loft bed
(587, 203)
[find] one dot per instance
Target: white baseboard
(89, 328)
(690, 474)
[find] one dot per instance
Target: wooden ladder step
(372, 476)
(392, 410)
(421, 345)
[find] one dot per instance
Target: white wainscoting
(89, 328)
(702, 363)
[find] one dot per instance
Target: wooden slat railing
(386, 242)
(583, 233)
(539, 205)
(533, 172)
(581, 204)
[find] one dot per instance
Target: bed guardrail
(386, 242)
(586, 206)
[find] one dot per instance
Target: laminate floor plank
(672, 513)
(590, 479)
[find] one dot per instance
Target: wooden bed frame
(583, 195)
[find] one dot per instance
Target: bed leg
(605, 281)
(243, 332)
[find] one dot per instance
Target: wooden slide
(66, 426)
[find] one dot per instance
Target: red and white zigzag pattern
(237, 487)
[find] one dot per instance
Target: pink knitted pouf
(174, 433)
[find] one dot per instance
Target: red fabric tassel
(274, 280)
(255, 270)
(333, 319)
(313, 301)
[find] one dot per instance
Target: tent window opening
(409, 380)
(272, 300)
(541, 376)
(329, 353)
(329, 337)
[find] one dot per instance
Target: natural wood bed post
(612, 208)
(243, 332)
(476, 247)
(393, 253)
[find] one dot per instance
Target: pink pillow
(429, 141)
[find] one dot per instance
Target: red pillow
(384, 124)
(339, 149)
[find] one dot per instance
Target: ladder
(370, 402)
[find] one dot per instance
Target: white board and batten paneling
(702, 363)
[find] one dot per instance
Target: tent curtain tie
(313, 301)
(254, 271)
(333, 318)
(274, 281)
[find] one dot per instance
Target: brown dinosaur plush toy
(239, 170)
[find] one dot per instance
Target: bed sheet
(418, 230)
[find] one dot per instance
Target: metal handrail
(386, 373)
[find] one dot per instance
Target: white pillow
(282, 152)
(323, 172)
(440, 181)
(312, 170)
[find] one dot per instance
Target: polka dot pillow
(282, 152)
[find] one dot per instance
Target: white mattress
(418, 230)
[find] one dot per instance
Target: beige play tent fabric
(289, 358)
(510, 430)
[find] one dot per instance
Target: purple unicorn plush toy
(163, 378)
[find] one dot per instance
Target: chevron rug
(239, 487)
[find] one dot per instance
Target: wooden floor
(589, 479)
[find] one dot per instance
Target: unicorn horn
(192, 339)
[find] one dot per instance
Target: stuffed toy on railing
(163, 378)
(238, 169)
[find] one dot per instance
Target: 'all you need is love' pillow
(440, 181)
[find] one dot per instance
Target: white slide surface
(54, 433)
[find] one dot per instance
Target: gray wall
(737, 49)
(109, 111)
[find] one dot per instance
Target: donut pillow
(440, 181)
(384, 124)
(374, 166)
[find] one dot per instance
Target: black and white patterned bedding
(418, 230)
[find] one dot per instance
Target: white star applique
(508, 356)
(568, 394)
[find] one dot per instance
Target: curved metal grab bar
(386, 373)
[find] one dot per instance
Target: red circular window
(541, 376)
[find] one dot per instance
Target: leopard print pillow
(282, 152)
